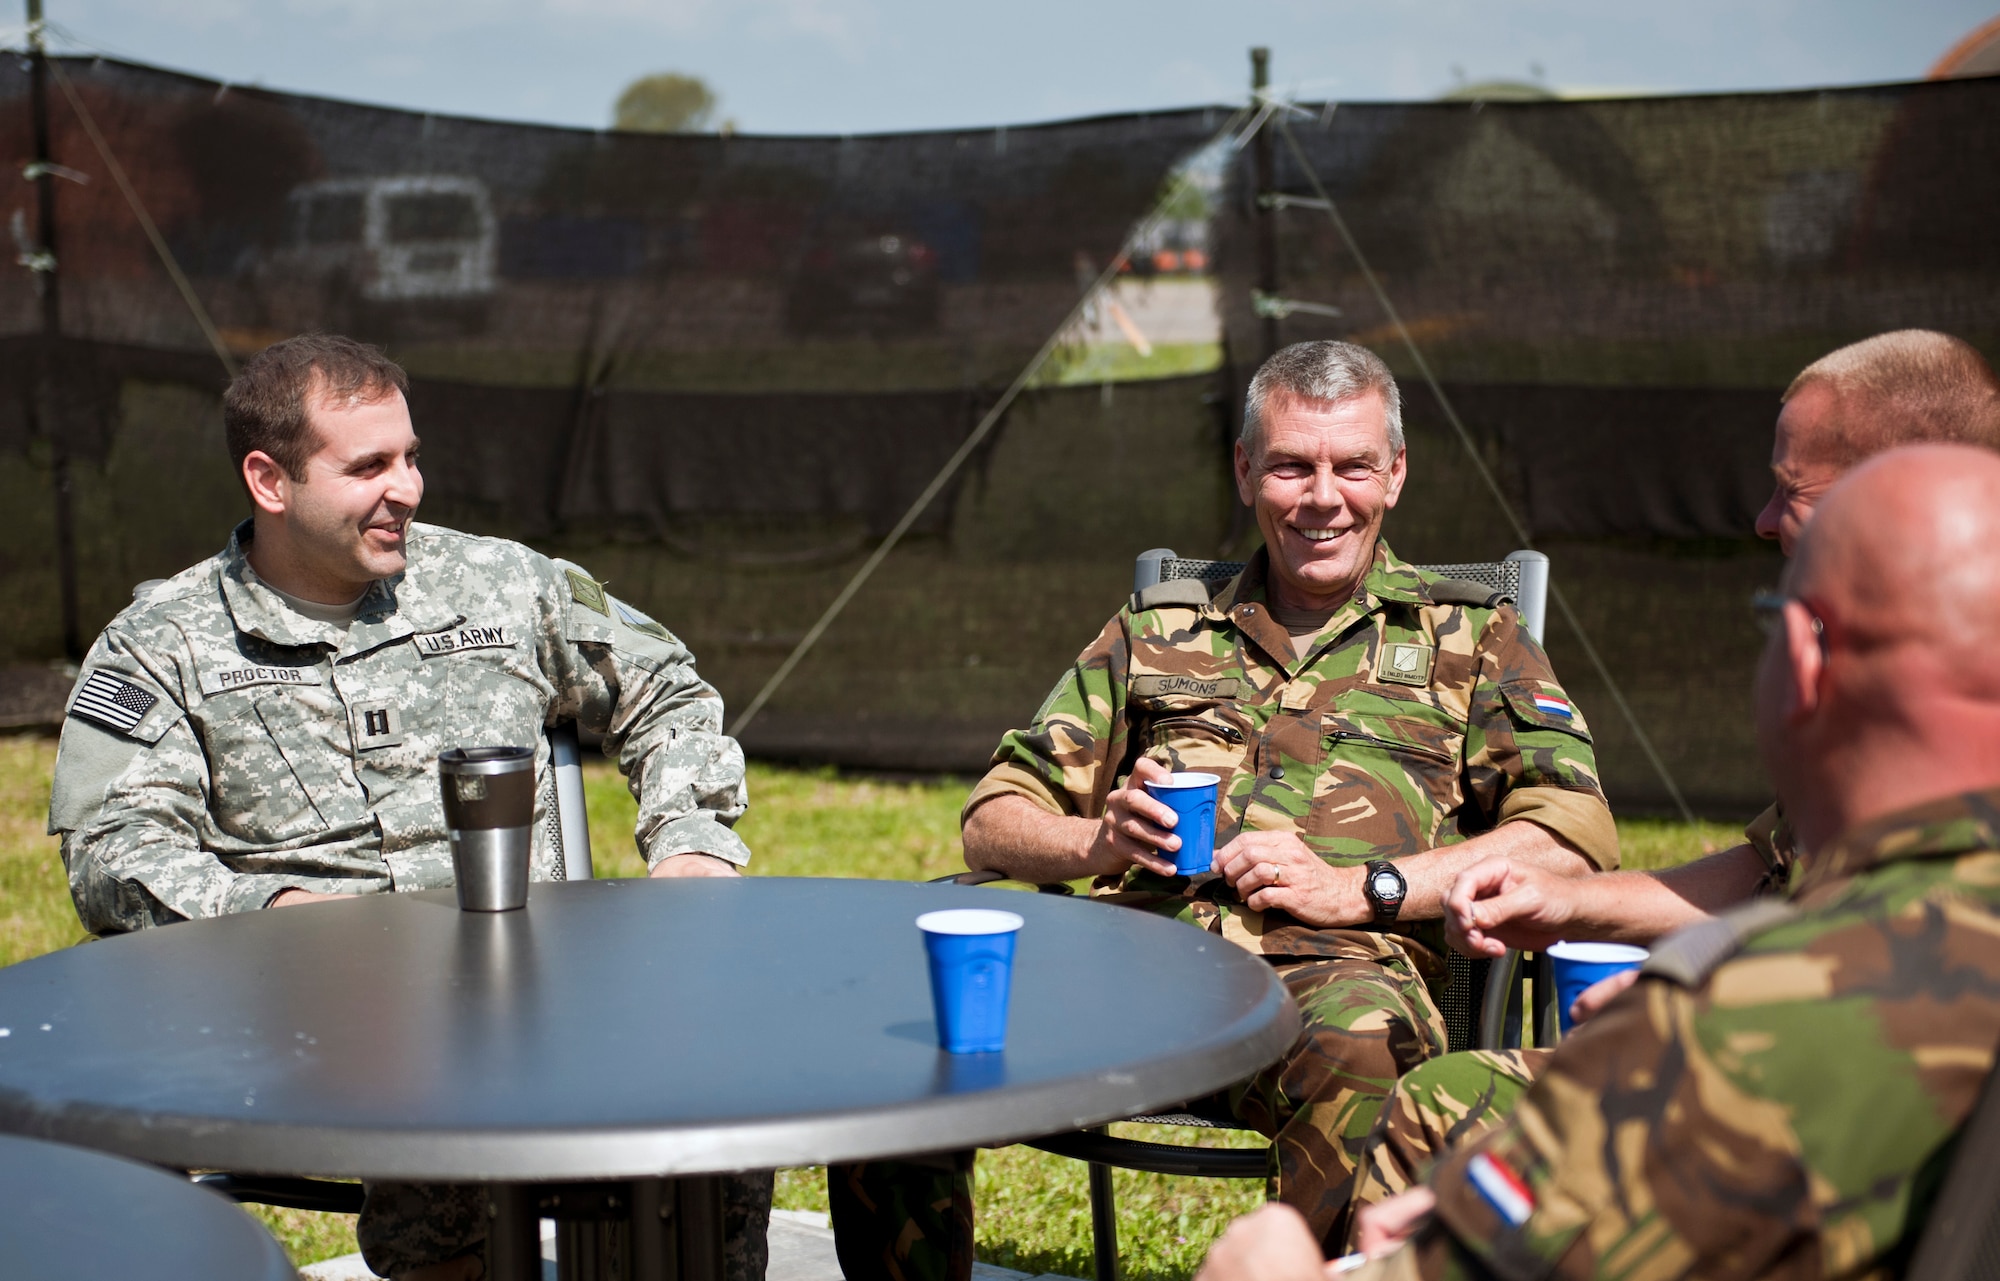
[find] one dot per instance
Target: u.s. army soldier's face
(1321, 481)
(350, 514)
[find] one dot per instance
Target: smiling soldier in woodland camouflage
(1377, 729)
(263, 728)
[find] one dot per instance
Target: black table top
(71, 1215)
(611, 1029)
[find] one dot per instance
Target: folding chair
(1482, 1002)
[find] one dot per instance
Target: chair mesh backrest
(1461, 999)
(551, 802)
(1463, 993)
(1503, 576)
(1206, 570)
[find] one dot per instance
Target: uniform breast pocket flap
(312, 763)
(1198, 738)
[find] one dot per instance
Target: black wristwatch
(1385, 888)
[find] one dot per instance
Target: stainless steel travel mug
(489, 809)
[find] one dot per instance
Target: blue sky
(835, 66)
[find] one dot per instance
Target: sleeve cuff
(1581, 818)
(696, 834)
(241, 894)
(1009, 779)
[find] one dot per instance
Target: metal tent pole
(1264, 218)
(43, 263)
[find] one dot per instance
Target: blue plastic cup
(1192, 798)
(1578, 965)
(972, 967)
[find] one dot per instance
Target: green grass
(1645, 844)
(1034, 1213)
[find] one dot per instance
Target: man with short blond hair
(1906, 387)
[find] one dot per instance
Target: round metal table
(71, 1215)
(611, 1030)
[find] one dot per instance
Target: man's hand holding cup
(1135, 828)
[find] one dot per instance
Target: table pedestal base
(643, 1230)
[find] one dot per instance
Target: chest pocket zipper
(1192, 724)
(1340, 736)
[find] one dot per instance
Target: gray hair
(1323, 371)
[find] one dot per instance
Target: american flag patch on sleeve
(113, 702)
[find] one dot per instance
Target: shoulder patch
(1192, 592)
(110, 700)
(638, 622)
(1544, 704)
(1690, 954)
(587, 592)
(1463, 591)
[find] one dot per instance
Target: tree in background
(665, 103)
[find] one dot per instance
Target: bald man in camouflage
(1903, 387)
(1778, 1092)
(1377, 729)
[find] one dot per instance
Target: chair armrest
(293, 1194)
(1499, 1010)
(1157, 1158)
(987, 876)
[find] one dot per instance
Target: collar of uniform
(392, 607)
(1942, 828)
(256, 609)
(400, 606)
(1245, 601)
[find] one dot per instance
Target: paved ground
(801, 1250)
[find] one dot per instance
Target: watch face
(1387, 886)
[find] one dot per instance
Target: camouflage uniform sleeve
(1636, 1153)
(131, 803)
(620, 674)
(1068, 758)
(1528, 754)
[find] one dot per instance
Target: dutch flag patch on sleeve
(1501, 1188)
(113, 702)
(1555, 705)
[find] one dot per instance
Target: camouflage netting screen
(717, 370)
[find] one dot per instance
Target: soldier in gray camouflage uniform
(263, 728)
